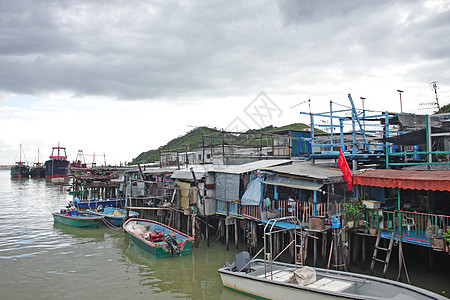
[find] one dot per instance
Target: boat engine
(172, 243)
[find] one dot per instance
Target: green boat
(76, 219)
(157, 239)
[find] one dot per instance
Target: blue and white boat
(96, 203)
(113, 215)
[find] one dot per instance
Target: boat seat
(280, 276)
(331, 285)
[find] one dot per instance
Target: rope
(109, 225)
(402, 261)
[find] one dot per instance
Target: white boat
(268, 279)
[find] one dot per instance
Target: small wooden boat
(76, 218)
(113, 215)
(158, 239)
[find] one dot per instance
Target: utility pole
(435, 87)
(364, 113)
(400, 93)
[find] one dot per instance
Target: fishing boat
(268, 279)
(99, 203)
(38, 169)
(76, 218)
(20, 169)
(113, 215)
(58, 165)
(157, 239)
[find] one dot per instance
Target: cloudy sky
(120, 77)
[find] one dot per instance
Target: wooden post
(236, 233)
(227, 236)
(324, 246)
(364, 252)
(254, 235)
(203, 144)
(193, 226)
(292, 247)
(315, 248)
(206, 230)
(223, 146)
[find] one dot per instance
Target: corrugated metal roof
(306, 169)
(199, 170)
(256, 165)
(405, 179)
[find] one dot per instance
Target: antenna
(435, 87)
(400, 93)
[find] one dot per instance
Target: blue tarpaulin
(252, 195)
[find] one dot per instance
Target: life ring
(99, 207)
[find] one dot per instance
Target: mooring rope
(108, 224)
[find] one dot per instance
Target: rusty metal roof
(405, 179)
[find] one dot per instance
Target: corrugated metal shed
(306, 169)
(405, 179)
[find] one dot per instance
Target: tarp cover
(185, 188)
(296, 183)
(252, 195)
(227, 187)
(405, 179)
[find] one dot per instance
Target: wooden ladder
(376, 259)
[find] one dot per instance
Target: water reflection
(91, 234)
(192, 276)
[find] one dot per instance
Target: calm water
(40, 260)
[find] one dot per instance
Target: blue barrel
(394, 148)
(417, 156)
(335, 222)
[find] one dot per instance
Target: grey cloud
(162, 49)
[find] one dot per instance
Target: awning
(405, 179)
(294, 183)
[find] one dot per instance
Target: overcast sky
(123, 77)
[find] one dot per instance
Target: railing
(302, 210)
(410, 225)
(252, 211)
(228, 208)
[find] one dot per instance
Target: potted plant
(447, 238)
(354, 211)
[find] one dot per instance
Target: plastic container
(335, 222)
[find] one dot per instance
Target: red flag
(345, 170)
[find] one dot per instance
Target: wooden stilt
(315, 248)
(207, 232)
(236, 233)
(227, 236)
(324, 246)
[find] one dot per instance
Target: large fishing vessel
(58, 165)
(37, 170)
(20, 169)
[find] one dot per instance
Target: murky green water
(40, 260)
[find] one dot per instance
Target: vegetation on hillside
(444, 109)
(213, 137)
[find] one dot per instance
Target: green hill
(194, 140)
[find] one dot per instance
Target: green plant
(354, 210)
(447, 236)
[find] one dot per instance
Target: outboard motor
(241, 262)
(172, 243)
